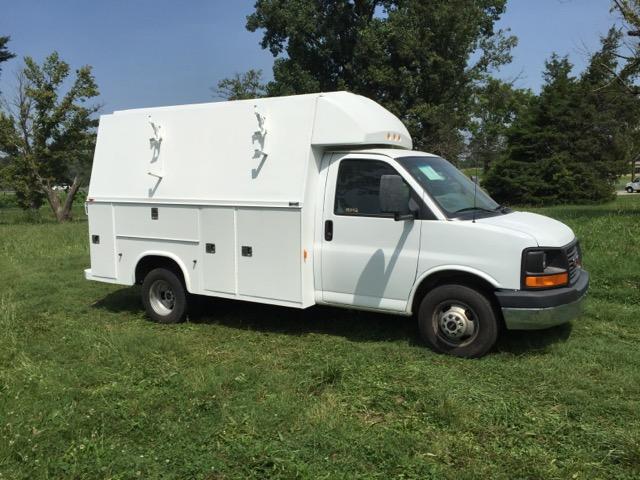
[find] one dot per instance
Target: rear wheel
(629, 190)
(458, 320)
(164, 296)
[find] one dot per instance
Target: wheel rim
(161, 297)
(455, 323)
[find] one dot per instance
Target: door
(102, 247)
(368, 258)
(269, 254)
(218, 243)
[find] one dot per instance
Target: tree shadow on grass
(353, 325)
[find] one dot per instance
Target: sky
(166, 52)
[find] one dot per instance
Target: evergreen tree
(495, 107)
(570, 145)
(5, 54)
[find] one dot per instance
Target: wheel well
(146, 264)
(457, 277)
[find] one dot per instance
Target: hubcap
(161, 297)
(455, 323)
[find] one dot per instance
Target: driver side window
(358, 187)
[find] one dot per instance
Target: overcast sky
(164, 52)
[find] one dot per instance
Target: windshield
(451, 189)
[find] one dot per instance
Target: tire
(458, 320)
(629, 190)
(164, 296)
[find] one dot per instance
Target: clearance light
(395, 137)
(546, 281)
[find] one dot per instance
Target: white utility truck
(318, 199)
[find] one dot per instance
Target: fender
(452, 268)
(161, 253)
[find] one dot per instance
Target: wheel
(458, 320)
(629, 190)
(164, 296)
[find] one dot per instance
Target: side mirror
(394, 197)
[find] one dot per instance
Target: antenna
(475, 189)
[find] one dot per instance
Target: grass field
(90, 389)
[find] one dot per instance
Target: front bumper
(535, 310)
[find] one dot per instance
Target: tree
(5, 54)
(242, 86)
(495, 107)
(48, 135)
(570, 144)
(534, 172)
(610, 114)
(16, 171)
(630, 11)
(412, 56)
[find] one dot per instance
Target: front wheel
(629, 190)
(458, 320)
(164, 296)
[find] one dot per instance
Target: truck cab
(407, 232)
(319, 199)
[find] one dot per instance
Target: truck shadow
(521, 342)
(353, 325)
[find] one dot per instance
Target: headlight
(544, 269)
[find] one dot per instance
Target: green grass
(473, 172)
(90, 389)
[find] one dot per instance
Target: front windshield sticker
(430, 173)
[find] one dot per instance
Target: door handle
(328, 230)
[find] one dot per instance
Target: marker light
(393, 136)
(546, 281)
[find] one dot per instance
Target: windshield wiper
(468, 209)
(502, 209)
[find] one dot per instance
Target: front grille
(574, 261)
